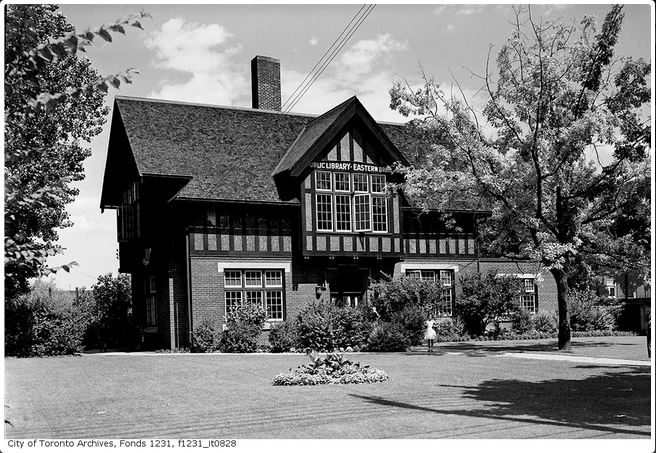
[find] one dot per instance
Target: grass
(482, 395)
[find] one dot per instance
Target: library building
(221, 206)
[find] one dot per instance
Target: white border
(222, 265)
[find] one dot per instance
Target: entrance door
(348, 285)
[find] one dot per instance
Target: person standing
(430, 334)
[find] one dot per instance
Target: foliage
(449, 329)
(546, 322)
(391, 296)
(243, 327)
(43, 322)
(586, 315)
(322, 326)
(388, 337)
(111, 313)
(53, 103)
(283, 337)
(206, 336)
(486, 297)
(558, 99)
(333, 369)
(522, 321)
(413, 320)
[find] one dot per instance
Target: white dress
(430, 333)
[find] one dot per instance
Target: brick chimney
(265, 83)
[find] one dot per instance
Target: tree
(53, 103)
(112, 311)
(485, 298)
(558, 99)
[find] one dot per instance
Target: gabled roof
(319, 132)
(227, 153)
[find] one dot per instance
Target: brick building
(219, 206)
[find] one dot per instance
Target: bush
(522, 321)
(322, 326)
(43, 322)
(485, 299)
(413, 320)
(393, 296)
(448, 329)
(334, 369)
(283, 337)
(243, 328)
(388, 337)
(545, 322)
(585, 315)
(206, 336)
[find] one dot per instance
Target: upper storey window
(350, 202)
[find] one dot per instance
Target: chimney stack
(265, 83)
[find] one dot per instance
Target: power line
(322, 57)
(332, 56)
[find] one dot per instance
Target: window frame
(318, 220)
(366, 218)
(240, 295)
(373, 215)
(316, 180)
(350, 213)
(366, 179)
(384, 183)
(348, 180)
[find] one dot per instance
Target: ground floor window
(527, 299)
(258, 287)
(445, 277)
(151, 301)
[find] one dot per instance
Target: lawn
(461, 391)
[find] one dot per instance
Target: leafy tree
(558, 98)
(112, 311)
(53, 103)
(485, 298)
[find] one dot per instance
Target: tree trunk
(564, 331)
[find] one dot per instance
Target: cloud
(203, 52)
(313, 41)
(362, 69)
(461, 10)
(449, 28)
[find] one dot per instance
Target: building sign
(350, 166)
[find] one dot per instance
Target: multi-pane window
(360, 182)
(529, 285)
(446, 277)
(342, 182)
(361, 204)
(379, 214)
(261, 288)
(343, 212)
(323, 180)
(378, 183)
(151, 301)
(610, 287)
(527, 302)
(324, 212)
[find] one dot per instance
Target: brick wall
(265, 81)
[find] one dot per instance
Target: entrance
(348, 284)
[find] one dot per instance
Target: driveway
(471, 390)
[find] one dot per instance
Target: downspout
(188, 262)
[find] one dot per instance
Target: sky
(202, 53)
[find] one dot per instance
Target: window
(261, 288)
(324, 212)
(610, 287)
(323, 180)
(151, 301)
(447, 295)
(428, 276)
(446, 306)
(413, 274)
(360, 182)
(379, 214)
(446, 277)
(529, 285)
(342, 182)
(343, 212)
(378, 183)
(527, 302)
(362, 212)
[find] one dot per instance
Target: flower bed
(334, 369)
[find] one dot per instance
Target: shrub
(392, 296)
(545, 322)
(388, 337)
(206, 336)
(43, 322)
(112, 323)
(585, 315)
(448, 329)
(283, 337)
(522, 321)
(333, 369)
(322, 326)
(413, 320)
(243, 328)
(486, 298)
